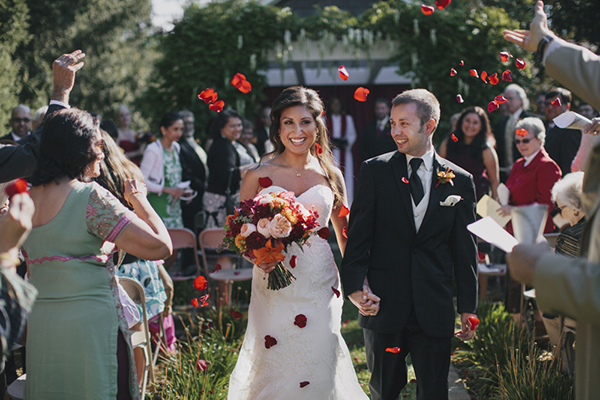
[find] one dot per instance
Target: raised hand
(529, 40)
(64, 69)
(16, 223)
(594, 127)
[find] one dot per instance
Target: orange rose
(280, 227)
(263, 227)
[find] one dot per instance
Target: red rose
(255, 241)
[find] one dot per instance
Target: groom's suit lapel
(434, 193)
(400, 171)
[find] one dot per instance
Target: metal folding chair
(184, 238)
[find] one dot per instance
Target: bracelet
(129, 195)
(10, 259)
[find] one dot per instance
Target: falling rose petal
(427, 10)
(300, 320)
(293, 261)
(506, 76)
(394, 350)
(345, 232)
(473, 72)
(481, 256)
(195, 302)
(343, 73)
(217, 107)
(318, 148)
(454, 138)
(404, 180)
(474, 321)
(245, 87)
(441, 4)
(453, 72)
(521, 132)
(492, 107)
(17, 187)
(204, 298)
(520, 64)
(323, 113)
(461, 63)
(337, 292)
(201, 365)
(304, 384)
(265, 182)
(504, 56)
(204, 304)
(238, 80)
(323, 233)
(459, 99)
(361, 93)
(500, 99)
(483, 76)
(200, 283)
(217, 268)
(270, 341)
(556, 102)
(208, 95)
(494, 79)
(343, 211)
(235, 314)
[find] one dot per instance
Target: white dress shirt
(425, 172)
(530, 158)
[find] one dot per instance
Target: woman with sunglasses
(531, 180)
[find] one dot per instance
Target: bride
(293, 348)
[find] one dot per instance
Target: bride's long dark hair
(301, 96)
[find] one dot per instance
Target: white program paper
(488, 207)
(487, 229)
(571, 120)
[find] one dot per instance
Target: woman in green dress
(162, 171)
(78, 344)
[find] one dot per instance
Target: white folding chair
(140, 338)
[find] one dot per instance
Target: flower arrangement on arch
(263, 227)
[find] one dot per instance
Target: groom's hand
(465, 333)
(366, 301)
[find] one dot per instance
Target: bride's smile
(298, 130)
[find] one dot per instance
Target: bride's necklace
(298, 175)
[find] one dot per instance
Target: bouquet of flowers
(262, 227)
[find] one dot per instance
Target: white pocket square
(450, 201)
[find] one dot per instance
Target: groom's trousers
(430, 358)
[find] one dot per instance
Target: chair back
(209, 239)
(184, 238)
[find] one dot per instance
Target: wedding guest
(263, 144)
(77, 312)
(246, 156)
(540, 104)
(376, 138)
(20, 123)
(561, 143)
(587, 110)
(569, 288)
(39, 116)
(248, 139)
(472, 148)
(134, 150)
(587, 141)
(161, 166)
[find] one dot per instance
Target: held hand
(465, 333)
(529, 40)
(594, 127)
(366, 301)
(505, 211)
(523, 259)
(16, 223)
(134, 189)
(64, 69)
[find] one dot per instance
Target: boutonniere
(445, 177)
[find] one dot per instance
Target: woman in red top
(531, 180)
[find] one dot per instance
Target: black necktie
(416, 185)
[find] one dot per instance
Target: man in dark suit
(561, 144)
(407, 240)
(376, 138)
(504, 131)
(20, 122)
(21, 161)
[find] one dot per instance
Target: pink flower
(247, 229)
(280, 227)
(263, 227)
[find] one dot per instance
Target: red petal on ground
(461, 63)
(293, 261)
(265, 182)
(556, 102)
(343, 211)
(235, 314)
(217, 107)
(454, 138)
(473, 72)
(195, 302)
(459, 99)
(474, 321)
(404, 180)
(492, 107)
(394, 350)
(16, 187)
(441, 4)
(483, 76)
(521, 132)
(427, 10)
(506, 76)
(337, 292)
(453, 72)
(361, 94)
(304, 384)
(323, 232)
(200, 283)
(343, 73)
(270, 341)
(319, 148)
(500, 99)
(494, 79)
(201, 365)
(520, 63)
(345, 232)
(504, 56)
(300, 320)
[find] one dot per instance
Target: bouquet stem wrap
(280, 277)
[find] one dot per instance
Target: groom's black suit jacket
(407, 269)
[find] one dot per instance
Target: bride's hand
(266, 267)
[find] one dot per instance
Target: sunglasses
(524, 141)
(558, 209)
(18, 120)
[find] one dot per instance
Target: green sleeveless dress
(73, 327)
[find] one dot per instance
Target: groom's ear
(430, 127)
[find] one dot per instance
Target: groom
(407, 240)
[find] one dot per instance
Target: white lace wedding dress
(310, 362)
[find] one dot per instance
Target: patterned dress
(164, 204)
(73, 328)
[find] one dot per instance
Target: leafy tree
(14, 21)
(575, 19)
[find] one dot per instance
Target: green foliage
(567, 18)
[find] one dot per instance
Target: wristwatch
(542, 47)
